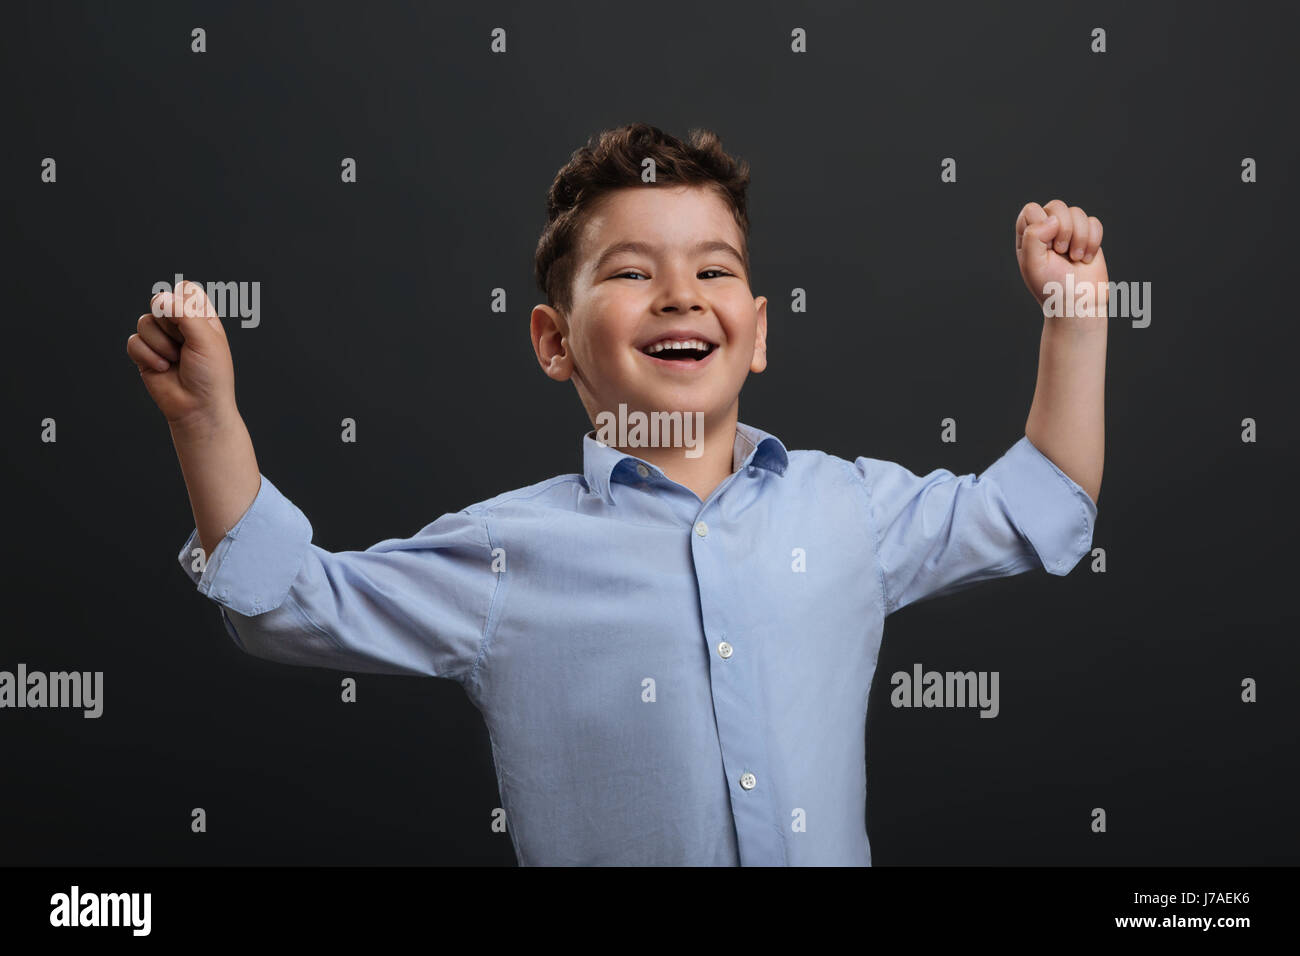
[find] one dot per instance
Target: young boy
(672, 650)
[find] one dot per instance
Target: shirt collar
(604, 466)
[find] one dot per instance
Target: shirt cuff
(1049, 509)
(253, 566)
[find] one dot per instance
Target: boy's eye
(636, 275)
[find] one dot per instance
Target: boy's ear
(759, 361)
(550, 342)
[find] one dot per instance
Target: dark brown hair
(612, 160)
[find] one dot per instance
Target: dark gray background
(1118, 690)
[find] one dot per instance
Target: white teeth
(687, 344)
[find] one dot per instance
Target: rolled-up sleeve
(417, 605)
(939, 533)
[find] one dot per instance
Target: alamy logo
(102, 909)
(1125, 300)
(947, 689)
(653, 430)
(230, 299)
(59, 689)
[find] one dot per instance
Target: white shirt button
(724, 650)
(748, 781)
(643, 471)
(701, 528)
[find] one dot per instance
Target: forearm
(1067, 418)
(221, 473)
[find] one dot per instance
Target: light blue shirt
(664, 681)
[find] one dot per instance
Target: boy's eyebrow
(645, 248)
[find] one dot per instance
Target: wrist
(1089, 324)
(205, 425)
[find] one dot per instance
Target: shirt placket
(733, 676)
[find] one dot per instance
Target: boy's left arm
(1037, 504)
(1059, 251)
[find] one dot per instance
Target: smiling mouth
(693, 350)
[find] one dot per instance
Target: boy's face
(688, 282)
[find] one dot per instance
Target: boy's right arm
(417, 605)
(414, 606)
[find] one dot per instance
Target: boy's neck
(701, 474)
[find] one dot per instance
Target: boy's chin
(714, 399)
(683, 402)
